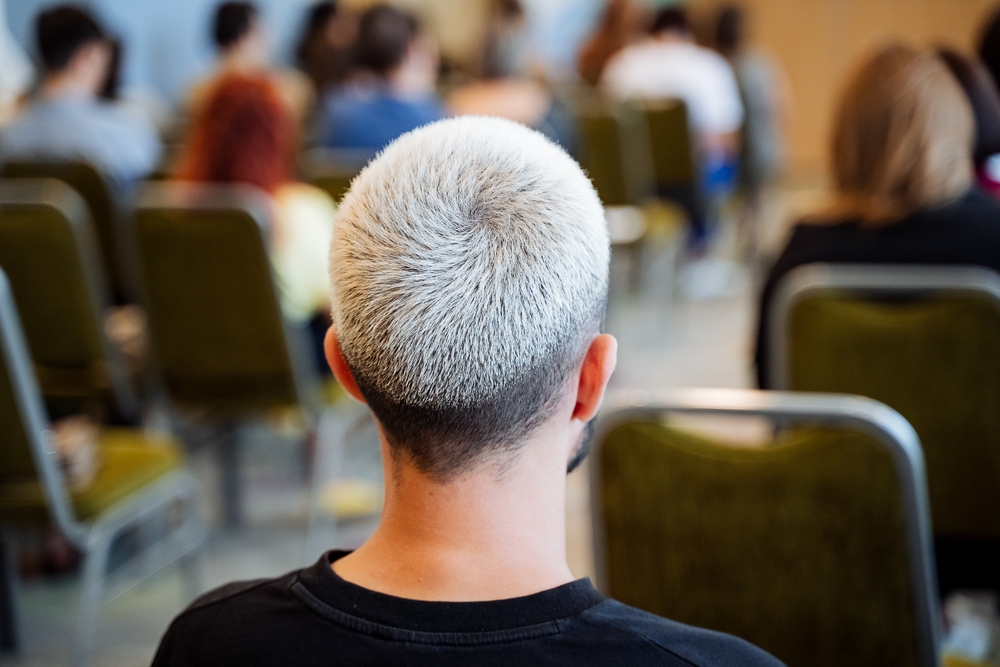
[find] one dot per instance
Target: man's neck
(485, 536)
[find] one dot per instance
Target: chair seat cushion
(128, 460)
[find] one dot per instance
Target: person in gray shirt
(68, 120)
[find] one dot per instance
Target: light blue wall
(167, 42)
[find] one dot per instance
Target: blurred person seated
(504, 92)
(242, 41)
(68, 120)
(984, 98)
(469, 281)
(903, 175)
(324, 51)
(764, 92)
(989, 46)
(245, 133)
(393, 90)
(669, 65)
(623, 23)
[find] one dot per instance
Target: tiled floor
(664, 342)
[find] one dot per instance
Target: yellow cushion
(128, 460)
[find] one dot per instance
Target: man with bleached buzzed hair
(469, 277)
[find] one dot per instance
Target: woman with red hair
(246, 134)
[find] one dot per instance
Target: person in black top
(902, 166)
(469, 276)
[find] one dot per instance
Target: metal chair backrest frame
(977, 286)
(100, 195)
(855, 413)
(32, 421)
(49, 246)
(171, 221)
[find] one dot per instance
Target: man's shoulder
(238, 594)
(697, 646)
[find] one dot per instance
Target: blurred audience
(506, 44)
(246, 134)
(324, 51)
(669, 65)
(903, 173)
(242, 42)
(16, 72)
(504, 92)
(68, 120)
(393, 90)
(623, 23)
(982, 92)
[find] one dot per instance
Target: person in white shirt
(670, 65)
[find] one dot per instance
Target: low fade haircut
(469, 273)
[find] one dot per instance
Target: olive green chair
(220, 344)
(100, 196)
(48, 251)
(926, 341)
(615, 154)
(671, 146)
(815, 547)
(332, 170)
(140, 477)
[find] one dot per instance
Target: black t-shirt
(966, 231)
(313, 617)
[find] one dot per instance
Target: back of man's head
(62, 32)
(384, 36)
(670, 19)
(469, 275)
(233, 21)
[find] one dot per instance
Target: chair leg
(10, 626)
(192, 562)
(231, 477)
(92, 591)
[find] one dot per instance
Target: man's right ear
(341, 371)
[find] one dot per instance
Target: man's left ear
(598, 365)
(341, 371)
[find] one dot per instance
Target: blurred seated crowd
(914, 157)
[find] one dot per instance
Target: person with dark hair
(393, 90)
(324, 51)
(989, 47)
(242, 43)
(69, 121)
(764, 92)
(984, 98)
(468, 281)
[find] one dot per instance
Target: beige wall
(818, 41)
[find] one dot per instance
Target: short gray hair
(469, 273)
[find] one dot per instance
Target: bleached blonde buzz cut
(469, 273)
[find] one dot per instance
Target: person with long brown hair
(245, 133)
(903, 178)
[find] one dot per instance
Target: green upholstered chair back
(50, 256)
(99, 195)
(924, 340)
(614, 152)
(332, 170)
(215, 322)
(811, 547)
(25, 459)
(670, 143)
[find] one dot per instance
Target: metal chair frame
(94, 538)
(901, 280)
(67, 202)
(864, 415)
(257, 205)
